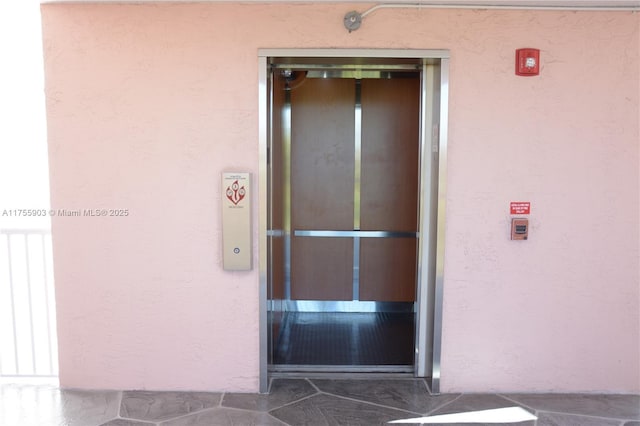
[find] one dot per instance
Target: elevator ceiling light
(360, 74)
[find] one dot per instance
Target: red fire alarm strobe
(527, 62)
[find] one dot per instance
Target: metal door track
(339, 369)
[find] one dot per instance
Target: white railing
(28, 343)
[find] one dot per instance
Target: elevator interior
(351, 189)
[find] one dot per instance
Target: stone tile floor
(299, 402)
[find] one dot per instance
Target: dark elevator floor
(345, 339)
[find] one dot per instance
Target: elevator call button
(236, 221)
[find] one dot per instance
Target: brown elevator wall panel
(390, 136)
(322, 155)
(321, 268)
(388, 269)
(277, 268)
(276, 184)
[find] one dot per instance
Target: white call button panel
(236, 221)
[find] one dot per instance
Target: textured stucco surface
(147, 104)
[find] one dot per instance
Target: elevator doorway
(351, 179)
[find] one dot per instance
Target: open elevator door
(349, 190)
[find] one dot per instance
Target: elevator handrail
(353, 234)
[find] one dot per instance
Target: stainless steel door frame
(433, 148)
(432, 203)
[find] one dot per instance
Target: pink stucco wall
(147, 104)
